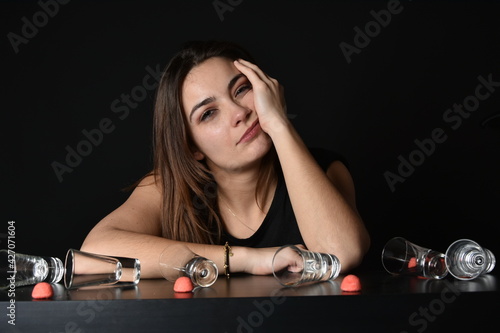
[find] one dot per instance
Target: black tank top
(280, 226)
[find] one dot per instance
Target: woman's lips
(250, 133)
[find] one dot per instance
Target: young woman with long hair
(230, 167)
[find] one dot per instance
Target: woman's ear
(198, 156)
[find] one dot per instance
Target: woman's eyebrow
(233, 81)
(208, 100)
(200, 104)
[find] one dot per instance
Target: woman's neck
(239, 189)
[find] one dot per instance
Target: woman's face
(219, 105)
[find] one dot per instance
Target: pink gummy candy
(350, 283)
(412, 263)
(183, 285)
(42, 290)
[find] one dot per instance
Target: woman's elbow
(95, 242)
(352, 256)
(90, 245)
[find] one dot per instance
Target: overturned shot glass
(19, 269)
(84, 269)
(178, 260)
(401, 257)
(293, 266)
(466, 259)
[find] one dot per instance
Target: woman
(229, 167)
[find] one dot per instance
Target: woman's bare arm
(134, 230)
(323, 204)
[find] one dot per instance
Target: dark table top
(246, 303)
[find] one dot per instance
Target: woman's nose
(239, 114)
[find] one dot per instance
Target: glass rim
(404, 240)
(71, 271)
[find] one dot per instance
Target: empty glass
(178, 260)
(400, 256)
(19, 269)
(85, 269)
(131, 270)
(467, 260)
(293, 266)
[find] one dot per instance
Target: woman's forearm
(147, 248)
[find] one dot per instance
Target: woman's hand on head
(269, 101)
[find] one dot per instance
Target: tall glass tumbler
(401, 257)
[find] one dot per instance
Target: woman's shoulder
(146, 189)
(325, 157)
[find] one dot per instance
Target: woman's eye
(243, 89)
(207, 114)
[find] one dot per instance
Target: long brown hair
(189, 207)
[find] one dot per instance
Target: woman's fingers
(257, 77)
(269, 101)
(255, 69)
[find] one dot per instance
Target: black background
(393, 92)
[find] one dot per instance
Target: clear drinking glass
(293, 266)
(85, 269)
(23, 269)
(131, 270)
(400, 256)
(466, 259)
(178, 260)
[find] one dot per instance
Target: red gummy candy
(350, 283)
(42, 290)
(183, 285)
(412, 263)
